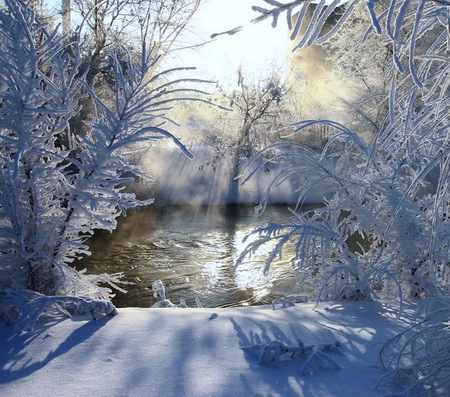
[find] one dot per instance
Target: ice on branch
(24, 308)
(418, 360)
(159, 292)
(281, 302)
(59, 184)
(314, 357)
(383, 229)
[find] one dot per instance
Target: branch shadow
(360, 327)
(12, 349)
(285, 379)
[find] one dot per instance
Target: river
(192, 249)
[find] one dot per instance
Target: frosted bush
(281, 303)
(418, 359)
(25, 308)
(159, 292)
(384, 227)
(57, 185)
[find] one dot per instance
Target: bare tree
(108, 23)
(258, 107)
(119, 28)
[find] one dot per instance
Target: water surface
(193, 251)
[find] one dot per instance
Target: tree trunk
(241, 151)
(66, 17)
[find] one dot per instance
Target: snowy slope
(196, 352)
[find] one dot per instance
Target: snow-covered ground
(197, 352)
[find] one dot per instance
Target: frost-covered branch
(386, 204)
(418, 359)
(24, 308)
(386, 201)
(58, 185)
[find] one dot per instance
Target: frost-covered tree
(362, 64)
(257, 106)
(159, 23)
(106, 29)
(384, 227)
(54, 193)
(257, 112)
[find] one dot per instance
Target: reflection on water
(193, 251)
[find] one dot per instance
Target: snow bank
(197, 352)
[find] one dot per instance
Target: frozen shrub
(313, 358)
(418, 359)
(384, 226)
(57, 186)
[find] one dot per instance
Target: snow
(198, 352)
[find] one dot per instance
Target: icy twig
(284, 303)
(277, 351)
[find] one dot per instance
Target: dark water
(193, 251)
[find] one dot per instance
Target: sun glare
(257, 48)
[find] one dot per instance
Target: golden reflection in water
(193, 251)
(217, 263)
(250, 273)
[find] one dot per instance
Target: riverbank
(197, 352)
